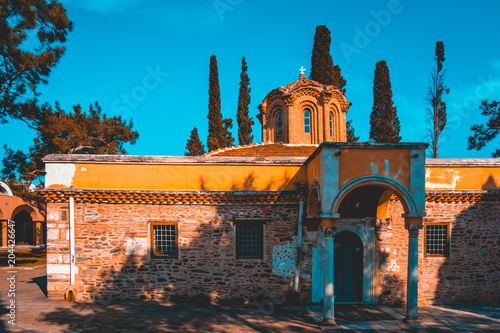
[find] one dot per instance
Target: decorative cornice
(174, 160)
(171, 198)
(462, 162)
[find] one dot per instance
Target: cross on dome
(302, 70)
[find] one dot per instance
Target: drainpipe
(72, 240)
(299, 245)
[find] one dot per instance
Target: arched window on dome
(331, 125)
(307, 121)
(279, 125)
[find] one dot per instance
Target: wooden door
(348, 267)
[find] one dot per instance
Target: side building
(29, 223)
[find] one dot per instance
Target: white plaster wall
(59, 174)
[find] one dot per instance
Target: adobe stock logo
(363, 37)
(222, 6)
(139, 93)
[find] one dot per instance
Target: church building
(303, 213)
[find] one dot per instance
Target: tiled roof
(235, 198)
(266, 150)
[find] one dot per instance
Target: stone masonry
(113, 261)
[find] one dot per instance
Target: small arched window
(307, 121)
(279, 125)
(331, 125)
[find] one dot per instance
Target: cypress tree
(194, 147)
(436, 116)
(351, 136)
(218, 128)
(322, 68)
(244, 122)
(384, 122)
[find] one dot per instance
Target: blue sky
(149, 61)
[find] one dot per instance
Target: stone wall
(469, 275)
(113, 261)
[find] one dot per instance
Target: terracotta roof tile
(266, 150)
(171, 198)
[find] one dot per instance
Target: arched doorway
(24, 228)
(348, 267)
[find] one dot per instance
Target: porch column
(328, 275)
(412, 279)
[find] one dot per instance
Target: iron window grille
(249, 240)
(437, 240)
(164, 240)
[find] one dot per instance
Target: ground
(36, 313)
(29, 257)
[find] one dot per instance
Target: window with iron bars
(249, 240)
(437, 240)
(164, 240)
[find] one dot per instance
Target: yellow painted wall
(313, 170)
(355, 163)
(456, 178)
(186, 177)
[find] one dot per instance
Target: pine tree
(23, 25)
(351, 136)
(436, 116)
(322, 68)
(219, 135)
(244, 122)
(62, 132)
(384, 122)
(194, 147)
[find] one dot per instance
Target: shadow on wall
(206, 267)
(470, 275)
(248, 183)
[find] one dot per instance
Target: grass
(25, 258)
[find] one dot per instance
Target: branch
(73, 150)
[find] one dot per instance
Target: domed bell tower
(304, 112)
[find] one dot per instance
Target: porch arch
(376, 180)
(30, 210)
(313, 200)
(5, 189)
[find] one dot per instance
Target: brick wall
(112, 252)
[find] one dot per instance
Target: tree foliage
(31, 33)
(61, 132)
(351, 136)
(436, 115)
(322, 68)
(219, 135)
(244, 121)
(384, 122)
(194, 146)
(484, 133)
